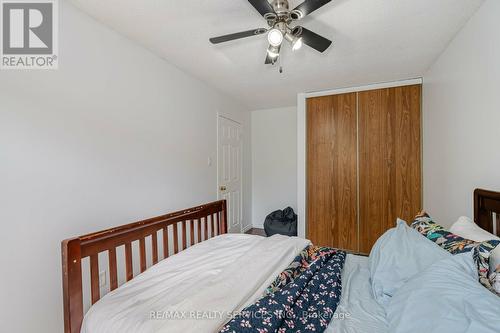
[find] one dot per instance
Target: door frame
(219, 115)
(302, 139)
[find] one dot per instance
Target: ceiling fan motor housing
(281, 7)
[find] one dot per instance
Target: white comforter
(195, 290)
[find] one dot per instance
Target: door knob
(223, 188)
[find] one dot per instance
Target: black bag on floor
(283, 222)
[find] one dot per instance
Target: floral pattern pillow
(455, 244)
(495, 279)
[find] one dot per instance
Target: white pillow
(467, 229)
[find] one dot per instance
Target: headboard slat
(191, 232)
(154, 246)
(142, 254)
(128, 261)
(176, 239)
(94, 278)
(206, 227)
(184, 236)
(165, 242)
(198, 222)
(113, 270)
(498, 224)
(217, 221)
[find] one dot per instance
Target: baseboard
(246, 228)
(258, 226)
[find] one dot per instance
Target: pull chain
(280, 67)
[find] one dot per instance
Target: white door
(230, 170)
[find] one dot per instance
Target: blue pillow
(445, 298)
(397, 256)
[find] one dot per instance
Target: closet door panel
(408, 152)
(377, 188)
(389, 160)
(331, 171)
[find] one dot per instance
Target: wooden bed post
(224, 217)
(477, 206)
(72, 285)
(485, 204)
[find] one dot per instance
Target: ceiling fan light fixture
(273, 52)
(294, 39)
(275, 37)
(297, 43)
(282, 25)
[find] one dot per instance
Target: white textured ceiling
(374, 41)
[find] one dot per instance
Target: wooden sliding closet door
(331, 171)
(389, 160)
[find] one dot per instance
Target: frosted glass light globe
(275, 37)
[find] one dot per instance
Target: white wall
(462, 118)
(274, 161)
(115, 135)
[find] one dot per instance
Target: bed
(210, 276)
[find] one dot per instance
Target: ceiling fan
(279, 17)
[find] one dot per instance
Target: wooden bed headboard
(209, 220)
(487, 210)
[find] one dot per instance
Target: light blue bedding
(357, 312)
(397, 256)
(445, 298)
(421, 287)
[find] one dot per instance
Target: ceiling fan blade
(271, 60)
(262, 6)
(309, 6)
(238, 35)
(314, 40)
